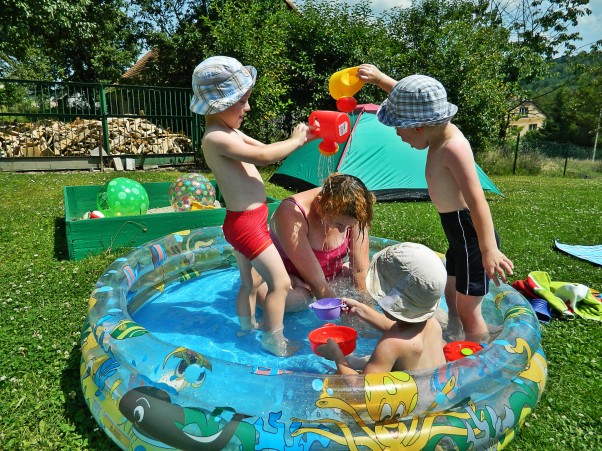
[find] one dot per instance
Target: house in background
(526, 117)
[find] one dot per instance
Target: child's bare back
(449, 167)
(412, 346)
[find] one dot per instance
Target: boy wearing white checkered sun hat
(221, 90)
(417, 107)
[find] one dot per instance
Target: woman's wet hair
(346, 195)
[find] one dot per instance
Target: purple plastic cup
(327, 309)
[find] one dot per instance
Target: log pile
(83, 137)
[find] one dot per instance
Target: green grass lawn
(43, 303)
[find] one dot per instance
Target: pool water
(200, 314)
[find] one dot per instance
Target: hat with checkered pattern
(218, 83)
(416, 101)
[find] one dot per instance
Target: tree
(540, 25)
(79, 40)
(574, 108)
(295, 52)
(451, 41)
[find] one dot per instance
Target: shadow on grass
(61, 251)
(76, 409)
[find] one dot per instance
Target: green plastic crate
(87, 237)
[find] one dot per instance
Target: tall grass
(532, 162)
(43, 303)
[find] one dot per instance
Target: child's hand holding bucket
(330, 350)
(343, 337)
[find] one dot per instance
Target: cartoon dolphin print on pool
(154, 416)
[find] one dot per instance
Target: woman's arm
(292, 231)
(359, 257)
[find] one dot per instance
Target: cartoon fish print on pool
(156, 418)
(191, 369)
(388, 398)
(127, 329)
(188, 274)
(265, 371)
(131, 274)
(102, 369)
(158, 255)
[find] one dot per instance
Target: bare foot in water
(275, 343)
(247, 325)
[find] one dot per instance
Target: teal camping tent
(390, 168)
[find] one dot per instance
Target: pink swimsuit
(331, 261)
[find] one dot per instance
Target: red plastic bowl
(459, 349)
(345, 337)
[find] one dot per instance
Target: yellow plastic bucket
(345, 83)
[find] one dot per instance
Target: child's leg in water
(269, 265)
(277, 344)
(453, 330)
(247, 293)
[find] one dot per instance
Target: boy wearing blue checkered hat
(222, 87)
(417, 107)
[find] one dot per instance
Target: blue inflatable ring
(477, 402)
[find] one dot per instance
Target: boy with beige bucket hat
(407, 280)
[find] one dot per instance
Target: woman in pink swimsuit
(322, 235)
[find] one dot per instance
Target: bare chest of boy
(443, 188)
(240, 183)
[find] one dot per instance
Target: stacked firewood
(83, 137)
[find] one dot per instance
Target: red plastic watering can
(333, 127)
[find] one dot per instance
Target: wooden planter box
(87, 237)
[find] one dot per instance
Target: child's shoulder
(455, 144)
(219, 134)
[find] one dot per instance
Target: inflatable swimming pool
(151, 394)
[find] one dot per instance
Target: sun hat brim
(407, 280)
(405, 310)
(387, 116)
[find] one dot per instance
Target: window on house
(532, 126)
(524, 111)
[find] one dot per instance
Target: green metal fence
(41, 119)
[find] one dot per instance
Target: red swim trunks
(247, 231)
